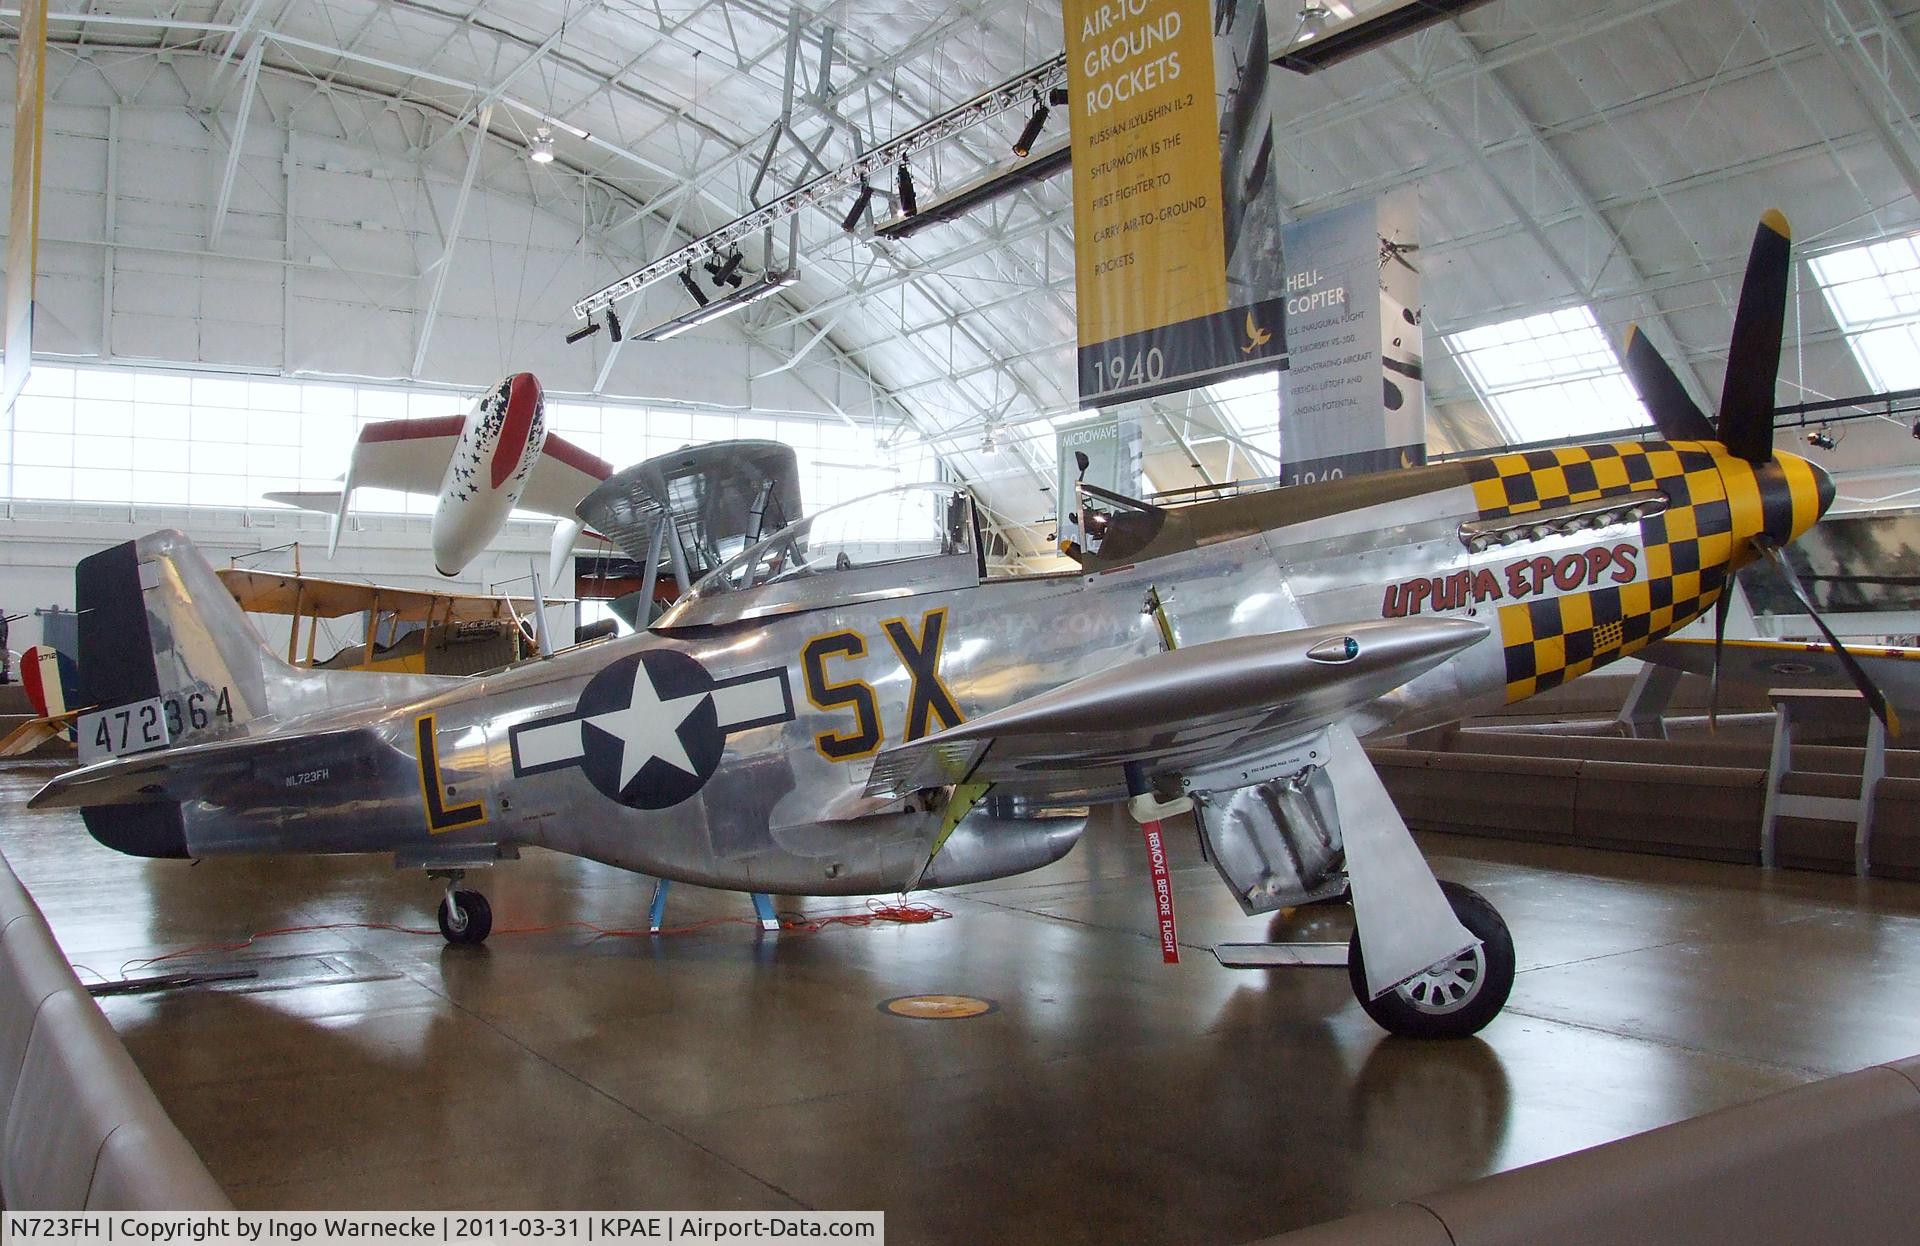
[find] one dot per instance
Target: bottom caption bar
(319, 1228)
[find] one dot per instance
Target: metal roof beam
(211, 93)
(1653, 319)
(497, 90)
(445, 262)
(250, 78)
(908, 271)
(1882, 120)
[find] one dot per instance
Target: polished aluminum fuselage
(780, 807)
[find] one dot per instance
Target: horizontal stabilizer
(34, 732)
(1183, 708)
(192, 770)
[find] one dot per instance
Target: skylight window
(1548, 377)
(1250, 405)
(1874, 291)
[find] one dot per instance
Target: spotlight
(988, 445)
(693, 287)
(584, 332)
(541, 150)
(1058, 97)
(1036, 122)
(909, 205)
(613, 325)
(1314, 20)
(727, 271)
(859, 208)
(1820, 438)
(1916, 430)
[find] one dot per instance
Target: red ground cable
(907, 913)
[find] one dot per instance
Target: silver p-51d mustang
(852, 706)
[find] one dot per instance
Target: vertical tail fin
(155, 621)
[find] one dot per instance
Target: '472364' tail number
(152, 723)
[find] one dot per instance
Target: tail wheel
(466, 917)
(1454, 999)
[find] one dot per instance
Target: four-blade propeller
(1745, 424)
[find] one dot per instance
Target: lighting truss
(1368, 28)
(994, 184)
(1015, 92)
(767, 286)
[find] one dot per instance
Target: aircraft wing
(34, 732)
(408, 455)
(1187, 708)
(325, 503)
(1795, 664)
(563, 474)
(273, 592)
(186, 772)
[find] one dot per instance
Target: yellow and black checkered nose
(1716, 504)
(1808, 492)
(1779, 499)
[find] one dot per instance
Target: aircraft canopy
(911, 539)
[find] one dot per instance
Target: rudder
(155, 621)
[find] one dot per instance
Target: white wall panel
(44, 543)
(328, 251)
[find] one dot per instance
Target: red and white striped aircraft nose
(521, 430)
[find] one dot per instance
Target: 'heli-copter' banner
(1177, 236)
(1353, 395)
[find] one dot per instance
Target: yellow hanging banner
(23, 222)
(1169, 131)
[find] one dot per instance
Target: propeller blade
(1876, 700)
(1720, 609)
(1753, 360)
(1674, 413)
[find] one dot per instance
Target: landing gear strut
(465, 916)
(1455, 998)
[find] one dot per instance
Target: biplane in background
(679, 515)
(47, 678)
(407, 631)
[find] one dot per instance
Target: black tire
(477, 917)
(1460, 999)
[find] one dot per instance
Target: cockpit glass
(901, 525)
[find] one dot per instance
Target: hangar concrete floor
(1107, 1095)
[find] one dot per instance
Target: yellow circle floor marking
(937, 1007)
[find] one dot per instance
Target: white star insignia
(649, 727)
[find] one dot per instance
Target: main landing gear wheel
(465, 917)
(1451, 1000)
